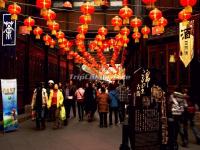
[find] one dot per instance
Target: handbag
(62, 113)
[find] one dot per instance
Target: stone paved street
(76, 136)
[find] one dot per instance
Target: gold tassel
(137, 40)
(53, 32)
(2, 4)
(51, 46)
(42, 11)
(14, 17)
(116, 28)
(49, 22)
(155, 22)
(188, 9)
(59, 40)
(37, 36)
(185, 23)
(145, 36)
(29, 28)
(47, 43)
(126, 21)
(135, 29)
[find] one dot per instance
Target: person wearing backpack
(39, 103)
(79, 94)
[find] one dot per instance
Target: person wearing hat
(49, 89)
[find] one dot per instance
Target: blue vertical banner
(9, 99)
(8, 31)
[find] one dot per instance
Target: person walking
(123, 100)
(79, 94)
(90, 102)
(103, 107)
(114, 104)
(56, 104)
(38, 104)
(49, 89)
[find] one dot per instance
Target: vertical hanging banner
(9, 99)
(186, 42)
(8, 31)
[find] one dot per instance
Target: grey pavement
(76, 136)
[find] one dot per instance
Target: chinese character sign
(186, 42)
(8, 31)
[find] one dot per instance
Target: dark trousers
(115, 110)
(53, 112)
(122, 111)
(80, 110)
(40, 118)
(103, 119)
(71, 104)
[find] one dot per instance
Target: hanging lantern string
(78, 11)
(104, 13)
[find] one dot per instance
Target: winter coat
(44, 99)
(114, 98)
(60, 99)
(103, 102)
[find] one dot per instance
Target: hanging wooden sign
(8, 31)
(186, 42)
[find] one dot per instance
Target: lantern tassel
(47, 43)
(136, 40)
(145, 36)
(29, 28)
(53, 32)
(14, 17)
(37, 36)
(49, 22)
(155, 22)
(188, 9)
(59, 40)
(42, 11)
(51, 46)
(135, 29)
(126, 21)
(2, 4)
(150, 6)
(116, 28)
(125, 45)
(185, 23)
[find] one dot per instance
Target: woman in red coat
(103, 107)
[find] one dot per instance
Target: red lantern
(116, 22)
(136, 23)
(149, 3)
(43, 5)
(2, 3)
(63, 43)
(29, 22)
(111, 43)
(125, 31)
(184, 16)
(87, 8)
(14, 10)
(93, 45)
(188, 4)
(162, 22)
(68, 45)
(67, 4)
(145, 31)
(82, 29)
(60, 35)
(54, 26)
(99, 39)
(52, 43)
(85, 19)
(125, 41)
(125, 13)
(49, 15)
(103, 32)
(46, 39)
(136, 36)
(37, 32)
(80, 37)
(155, 15)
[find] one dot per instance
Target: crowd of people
(59, 104)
